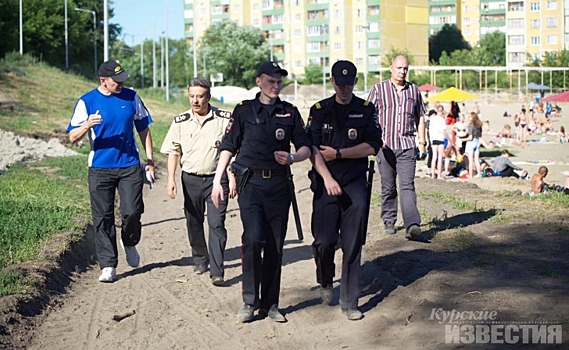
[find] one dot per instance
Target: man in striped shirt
(401, 113)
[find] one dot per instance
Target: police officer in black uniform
(260, 131)
(344, 130)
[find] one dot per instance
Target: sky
(145, 19)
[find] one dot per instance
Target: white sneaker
(108, 275)
(132, 256)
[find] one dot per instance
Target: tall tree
(43, 28)
(234, 51)
(313, 74)
(448, 39)
(492, 47)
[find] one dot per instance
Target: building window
(359, 29)
(516, 6)
(255, 7)
(515, 40)
(358, 13)
(534, 6)
(516, 23)
(236, 8)
(552, 40)
(551, 5)
(336, 13)
(313, 47)
(267, 5)
(297, 64)
(337, 30)
(535, 40)
(337, 46)
(466, 20)
(359, 62)
(566, 21)
(567, 37)
(255, 22)
(359, 45)
(373, 27)
(466, 32)
(373, 43)
(551, 22)
(296, 49)
(534, 24)
(515, 57)
(465, 8)
(297, 17)
(297, 33)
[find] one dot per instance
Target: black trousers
(103, 184)
(197, 198)
(264, 207)
(509, 171)
(334, 217)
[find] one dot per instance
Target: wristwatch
(338, 154)
(291, 160)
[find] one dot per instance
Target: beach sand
(530, 156)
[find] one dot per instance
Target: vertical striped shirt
(398, 113)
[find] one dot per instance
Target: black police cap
(269, 68)
(344, 73)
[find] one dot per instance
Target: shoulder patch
(182, 117)
(222, 114)
(366, 103)
(240, 103)
(318, 106)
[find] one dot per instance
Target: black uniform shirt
(359, 124)
(258, 140)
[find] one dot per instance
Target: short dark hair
(201, 82)
(505, 151)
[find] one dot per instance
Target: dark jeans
(103, 184)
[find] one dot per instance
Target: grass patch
(460, 239)
(451, 200)
(34, 206)
(550, 272)
(11, 283)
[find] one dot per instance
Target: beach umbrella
(428, 87)
(451, 94)
(562, 97)
(535, 86)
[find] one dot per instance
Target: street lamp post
(167, 58)
(94, 37)
(21, 32)
(106, 30)
(66, 39)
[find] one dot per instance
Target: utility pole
(106, 29)
(66, 38)
(167, 54)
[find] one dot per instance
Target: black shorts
(437, 142)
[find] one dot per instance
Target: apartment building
(300, 32)
(474, 18)
(535, 27)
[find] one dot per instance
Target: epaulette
(318, 106)
(366, 103)
(222, 114)
(182, 117)
(240, 103)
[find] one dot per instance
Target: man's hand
(171, 188)
(328, 153)
(94, 119)
(332, 187)
(216, 194)
(232, 186)
(282, 157)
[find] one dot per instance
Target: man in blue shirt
(109, 115)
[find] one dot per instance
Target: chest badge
(352, 134)
(217, 144)
(280, 134)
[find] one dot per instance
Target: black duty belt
(268, 173)
(201, 175)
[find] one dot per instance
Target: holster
(242, 175)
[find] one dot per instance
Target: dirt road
(466, 260)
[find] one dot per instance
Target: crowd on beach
(455, 137)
